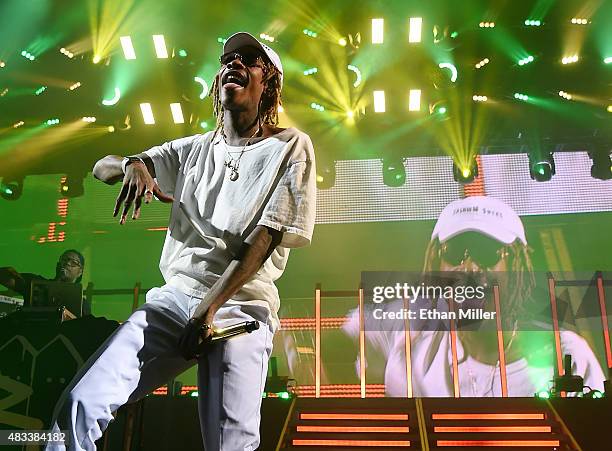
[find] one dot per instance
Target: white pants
(142, 354)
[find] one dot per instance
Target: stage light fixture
(519, 96)
(379, 101)
(414, 30)
(4, 92)
(394, 173)
(11, 188)
(357, 72)
(160, 46)
(75, 86)
(602, 164)
(96, 59)
(266, 37)
(204, 125)
(177, 113)
(526, 60)
(2, 64)
(378, 26)
(310, 33)
(482, 63)
(111, 129)
(72, 185)
(221, 41)
(543, 394)
(40, 90)
(609, 109)
(204, 85)
(569, 59)
(565, 95)
(579, 21)
(414, 100)
(147, 113)
(311, 71)
(18, 124)
(114, 100)
(67, 53)
(27, 55)
(533, 23)
(128, 47)
(182, 53)
(316, 106)
(89, 119)
(326, 175)
(53, 121)
(465, 174)
(342, 42)
(453, 70)
(607, 60)
(486, 24)
(541, 166)
(477, 98)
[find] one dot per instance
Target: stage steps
(424, 424)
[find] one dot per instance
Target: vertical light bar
(147, 113)
(555, 320)
(378, 32)
(604, 318)
(362, 369)
(414, 100)
(128, 48)
(318, 342)
(414, 32)
(455, 361)
(177, 113)
(407, 352)
(379, 101)
(160, 46)
(500, 344)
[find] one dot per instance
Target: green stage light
(182, 53)
(312, 70)
(607, 60)
(442, 110)
(310, 33)
(451, 68)
(357, 72)
(40, 90)
(519, 96)
(221, 40)
(542, 395)
(541, 168)
(526, 60)
(533, 23)
(114, 100)
(394, 173)
(316, 106)
(11, 188)
(204, 125)
(28, 55)
(283, 395)
(53, 121)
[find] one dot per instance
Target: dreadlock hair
(267, 110)
(521, 280)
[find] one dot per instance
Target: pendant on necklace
(233, 175)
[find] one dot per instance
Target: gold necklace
(233, 164)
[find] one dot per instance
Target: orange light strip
(317, 342)
(601, 295)
(453, 339)
(500, 344)
(395, 429)
(470, 429)
(555, 318)
(362, 369)
(483, 443)
(355, 416)
(407, 352)
(376, 443)
(487, 416)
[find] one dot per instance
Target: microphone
(225, 333)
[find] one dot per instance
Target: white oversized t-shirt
(212, 215)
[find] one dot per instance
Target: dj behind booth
(44, 339)
(64, 289)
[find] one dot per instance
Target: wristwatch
(129, 160)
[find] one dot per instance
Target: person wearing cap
(242, 196)
(483, 239)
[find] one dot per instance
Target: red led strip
(487, 416)
(469, 429)
(354, 416)
(389, 443)
(483, 443)
(394, 429)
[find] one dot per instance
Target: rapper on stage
(242, 196)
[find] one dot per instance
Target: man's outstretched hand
(137, 184)
(197, 332)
